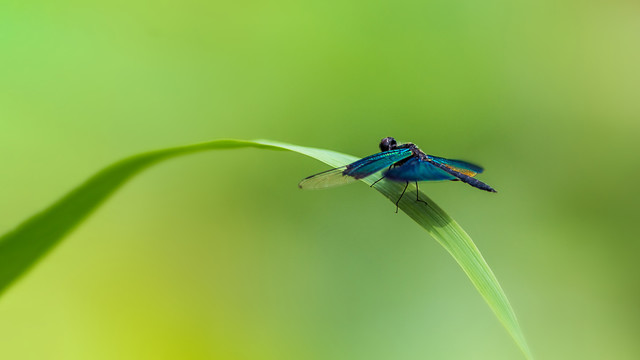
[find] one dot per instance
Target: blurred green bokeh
(220, 256)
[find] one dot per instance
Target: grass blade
(21, 248)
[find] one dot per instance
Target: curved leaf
(22, 247)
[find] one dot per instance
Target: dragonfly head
(387, 144)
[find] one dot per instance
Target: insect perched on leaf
(405, 163)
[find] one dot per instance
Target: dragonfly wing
(463, 177)
(425, 170)
(417, 170)
(325, 179)
(376, 162)
(354, 171)
(460, 166)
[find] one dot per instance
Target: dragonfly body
(403, 163)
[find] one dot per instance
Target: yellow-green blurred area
(221, 256)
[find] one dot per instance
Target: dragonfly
(404, 163)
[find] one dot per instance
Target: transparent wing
(417, 170)
(354, 171)
(325, 179)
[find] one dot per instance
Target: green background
(220, 256)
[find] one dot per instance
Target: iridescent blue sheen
(417, 170)
(376, 162)
(457, 163)
(405, 162)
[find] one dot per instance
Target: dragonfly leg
(383, 176)
(377, 181)
(401, 195)
(418, 195)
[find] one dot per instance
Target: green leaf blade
(21, 248)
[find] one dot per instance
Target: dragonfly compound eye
(387, 144)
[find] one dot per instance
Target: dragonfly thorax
(415, 150)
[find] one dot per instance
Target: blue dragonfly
(405, 163)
